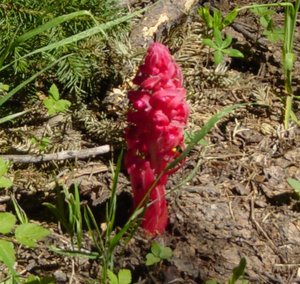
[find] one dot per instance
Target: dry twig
(64, 155)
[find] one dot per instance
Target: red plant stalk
(156, 120)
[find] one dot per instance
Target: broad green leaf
(230, 17)
(54, 92)
(54, 106)
(227, 42)
(113, 279)
(233, 52)
(63, 105)
(124, 276)
(151, 259)
(7, 222)
(49, 103)
(165, 253)
(7, 255)
(295, 184)
(238, 271)
(4, 87)
(29, 234)
(218, 57)
(5, 182)
(3, 167)
(209, 42)
(264, 22)
(155, 248)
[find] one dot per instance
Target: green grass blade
(51, 24)
(113, 198)
(202, 132)
(82, 35)
(42, 28)
(13, 116)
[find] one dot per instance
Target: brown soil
(238, 204)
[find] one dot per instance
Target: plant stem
(288, 58)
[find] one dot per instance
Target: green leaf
(209, 42)
(113, 279)
(54, 106)
(165, 253)
(124, 276)
(230, 17)
(54, 92)
(238, 271)
(218, 37)
(218, 57)
(5, 182)
(233, 52)
(62, 105)
(295, 184)
(217, 19)
(3, 167)
(4, 87)
(7, 222)
(151, 259)
(204, 13)
(155, 248)
(7, 255)
(29, 234)
(275, 35)
(49, 103)
(264, 21)
(227, 41)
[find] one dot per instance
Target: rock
(60, 276)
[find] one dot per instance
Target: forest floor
(238, 204)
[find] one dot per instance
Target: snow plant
(157, 117)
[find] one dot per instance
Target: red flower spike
(156, 120)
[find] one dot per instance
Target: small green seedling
(295, 184)
(25, 234)
(3, 88)
(215, 19)
(53, 103)
(4, 181)
(221, 47)
(237, 275)
(123, 277)
(68, 212)
(42, 143)
(158, 253)
(265, 15)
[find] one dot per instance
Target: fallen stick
(64, 155)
